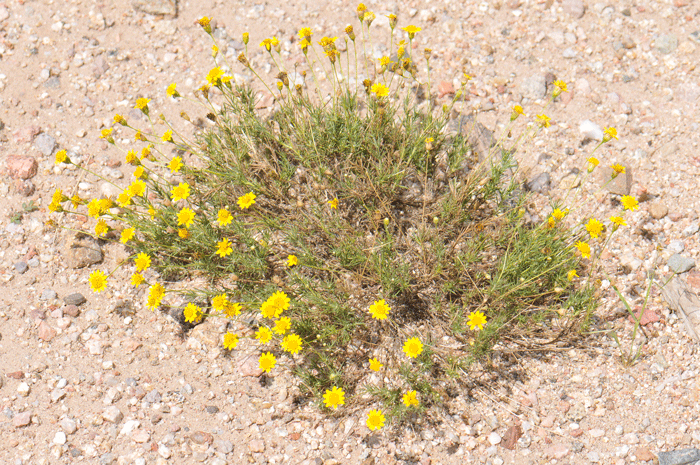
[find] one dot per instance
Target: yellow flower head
(282, 325)
(584, 248)
(230, 341)
(183, 233)
(142, 104)
(558, 214)
(350, 32)
(119, 119)
(361, 8)
(375, 420)
(106, 204)
(142, 261)
(224, 217)
(327, 42)
(292, 260)
(571, 275)
(175, 164)
(594, 228)
(410, 399)
(412, 31)
(137, 279)
(193, 314)
(609, 134)
(292, 343)
(592, 163)
(76, 201)
(333, 203)
(305, 33)
(246, 201)
(304, 44)
(267, 43)
(185, 217)
(476, 320)
(101, 228)
(267, 362)
(543, 120)
(277, 303)
(139, 136)
(629, 202)
(517, 111)
(385, 61)
(224, 248)
(375, 365)
(392, 20)
(617, 221)
(131, 158)
(263, 335)
(107, 134)
(232, 309)
(205, 23)
(58, 196)
(98, 281)
(62, 157)
(380, 90)
(139, 172)
(379, 310)
(559, 87)
(180, 192)
(214, 76)
(94, 208)
(155, 296)
(126, 235)
(413, 347)
(219, 302)
(617, 169)
(167, 136)
(334, 397)
(170, 91)
(246, 38)
(369, 17)
(137, 188)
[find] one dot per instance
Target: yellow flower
(107, 134)
(138, 187)
(152, 212)
(617, 169)
(571, 275)
(224, 217)
(592, 163)
(62, 157)
(76, 201)
(584, 248)
(101, 228)
(94, 208)
(375, 365)
(379, 309)
(385, 61)
(58, 196)
(263, 335)
(180, 192)
(155, 296)
(305, 33)
(594, 228)
(275, 305)
(193, 314)
(246, 38)
(375, 420)
(282, 325)
(98, 281)
(139, 136)
(267, 43)
(327, 42)
(142, 104)
(119, 119)
(392, 20)
(350, 32)
(131, 158)
(334, 397)
(205, 23)
(629, 202)
(517, 111)
(369, 17)
(232, 309)
(175, 164)
(609, 134)
(559, 87)
(185, 217)
(410, 399)
(558, 214)
(413, 347)
(292, 260)
(127, 234)
(136, 279)
(304, 45)
(106, 204)
(380, 90)
(412, 30)
(292, 344)
(171, 91)
(214, 51)
(246, 201)
(267, 362)
(618, 221)
(142, 261)
(333, 203)
(139, 172)
(146, 152)
(230, 341)
(214, 76)
(224, 248)
(167, 136)
(183, 233)
(476, 320)
(219, 302)
(55, 207)
(543, 120)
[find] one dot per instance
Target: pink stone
(26, 134)
(649, 316)
(46, 332)
(141, 436)
(21, 166)
(130, 345)
(249, 367)
(22, 419)
(557, 451)
(445, 88)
